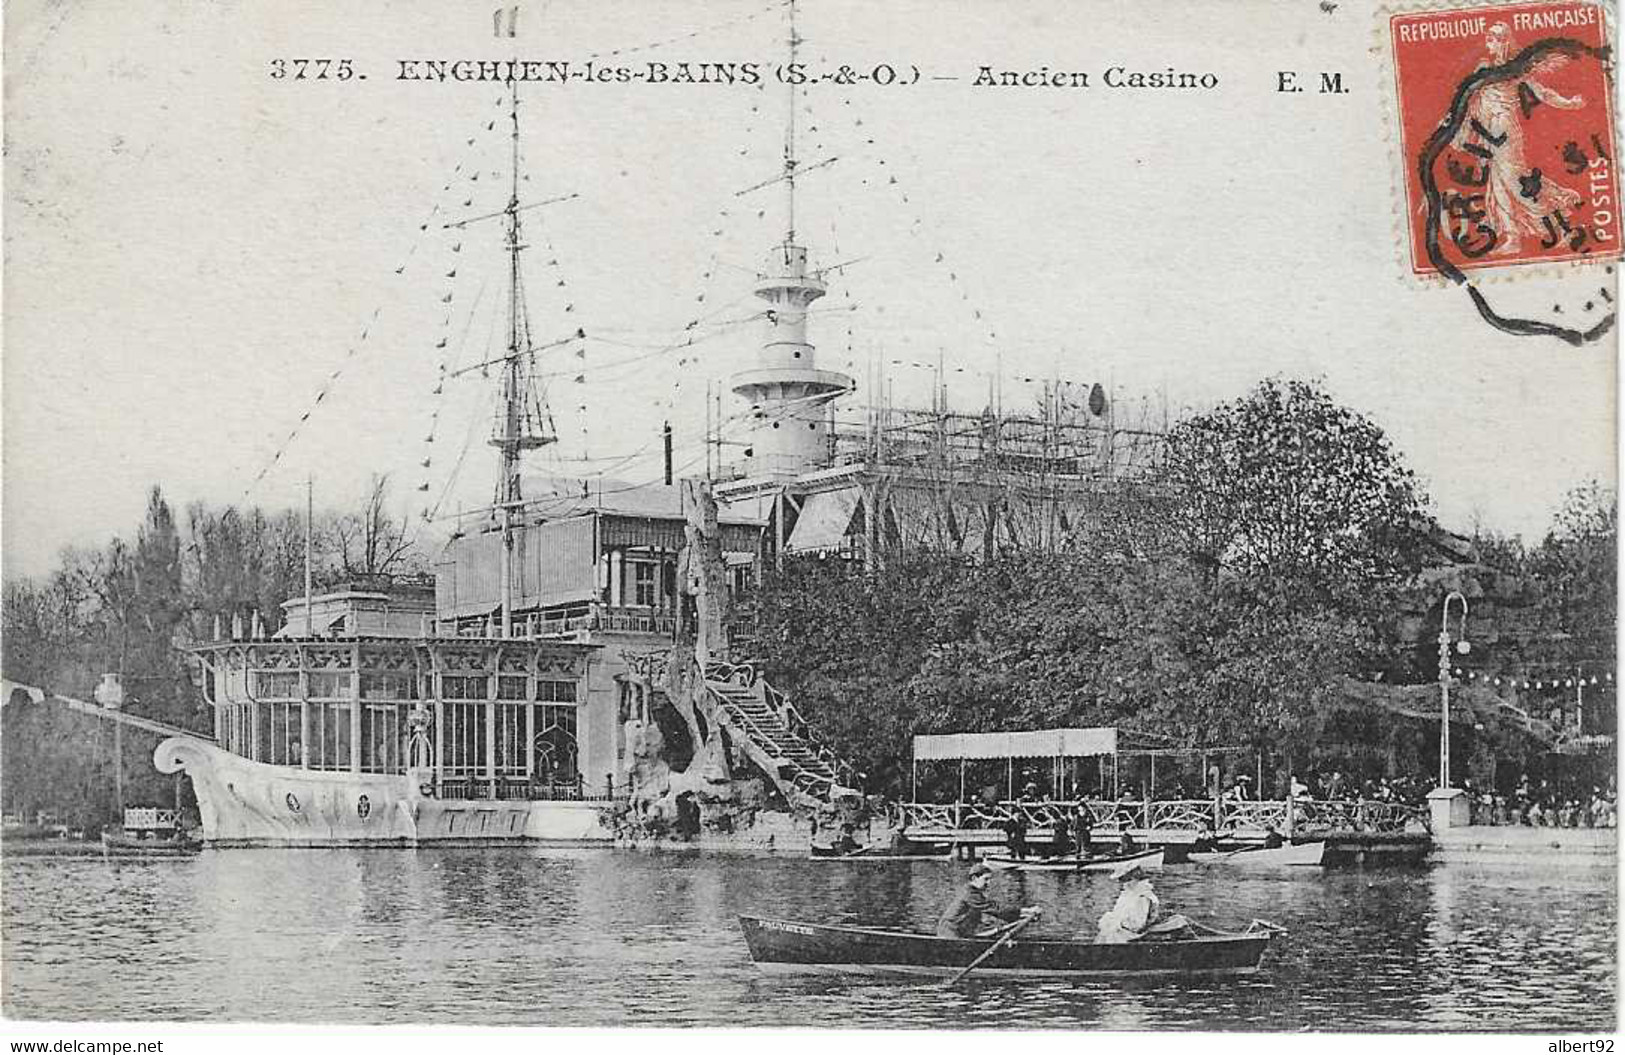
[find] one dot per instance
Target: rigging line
(737, 21)
(440, 380)
(724, 216)
(349, 354)
(649, 483)
(503, 212)
(620, 460)
(916, 227)
(468, 324)
(694, 323)
(652, 352)
(782, 177)
(752, 271)
(606, 470)
(457, 466)
(606, 457)
(529, 349)
(777, 414)
(564, 503)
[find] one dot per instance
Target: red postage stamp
(1506, 126)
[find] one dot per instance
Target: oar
(989, 951)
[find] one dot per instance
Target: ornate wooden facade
(484, 717)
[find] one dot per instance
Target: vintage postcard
(809, 514)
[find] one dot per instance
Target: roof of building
(553, 498)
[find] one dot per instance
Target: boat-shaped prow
(787, 945)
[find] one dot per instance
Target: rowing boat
(787, 945)
(1290, 855)
(822, 854)
(118, 844)
(1105, 863)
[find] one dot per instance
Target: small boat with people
(1133, 937)
(847, 848)
(123, 844)
(1191, 950)
(1149, 859)
(149, 831)
(1287, 855)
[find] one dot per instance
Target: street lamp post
(110, 694)
(1444, 679)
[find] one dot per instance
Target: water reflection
(595, 937)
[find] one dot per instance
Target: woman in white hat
(1138, 912)
(1136, 908)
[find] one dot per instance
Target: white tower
(788, 395)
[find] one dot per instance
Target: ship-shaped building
(570, 671)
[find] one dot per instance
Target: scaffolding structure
(1059, 474)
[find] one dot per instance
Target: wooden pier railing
(1191, 817)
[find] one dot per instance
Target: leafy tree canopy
(1286, 485)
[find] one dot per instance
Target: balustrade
(1198, 815)
(512, 790)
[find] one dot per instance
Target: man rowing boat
(974, 914)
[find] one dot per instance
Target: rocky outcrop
(709, 753)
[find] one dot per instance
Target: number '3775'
(312, 69)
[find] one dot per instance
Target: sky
(194, 247)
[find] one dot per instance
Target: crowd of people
(1335, 787)
(1544, 805)
(1541, 804)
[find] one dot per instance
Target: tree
(370, 541)
(1284, 484)
(1575, 569)
(1223, 606)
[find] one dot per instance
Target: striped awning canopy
(824, 519)
(1037, 743)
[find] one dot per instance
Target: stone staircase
(774, 735)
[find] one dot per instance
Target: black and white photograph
(1074, 518)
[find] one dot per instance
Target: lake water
(628, 938)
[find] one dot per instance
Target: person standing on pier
(1015, 827)
(1083, 826)
(1061, 839)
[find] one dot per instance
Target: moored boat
(120, 844)
(824, 853)
(1290, 855)
(1102, 863)
(791, 945)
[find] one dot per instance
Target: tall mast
(786, 391)
(790, 140)
(516, 433)
(511, 396)
(310, 508)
